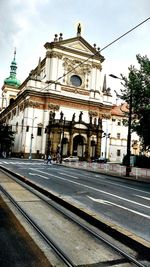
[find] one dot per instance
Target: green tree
(136, 92)
(6, 139)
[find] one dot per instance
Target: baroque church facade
(61, 106)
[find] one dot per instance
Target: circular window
(75, 80)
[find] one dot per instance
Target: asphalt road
(123, 202)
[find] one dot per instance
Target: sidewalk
(117, 170)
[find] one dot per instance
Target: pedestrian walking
(58, 158)
(49, 159)
(4, 154)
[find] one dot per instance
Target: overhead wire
(97, 52)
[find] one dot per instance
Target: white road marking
(68, 175)
(100, 201)
(22, 163)
(100, 176)
(95, 189)
(113, 183)
(39, 175)
(119, 206)
(147, 198)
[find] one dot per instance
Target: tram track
(70, 215)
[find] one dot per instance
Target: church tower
(11, 85)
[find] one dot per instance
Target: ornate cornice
(93, 113)
(75, 90)
(53, 107)
(50, 54)
(96, 65)
(104, 115)
(33, 104)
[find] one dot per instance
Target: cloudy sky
(29, 24)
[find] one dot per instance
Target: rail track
(124, 257)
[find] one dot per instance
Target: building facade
(61, 106)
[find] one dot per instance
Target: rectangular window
(119, 123)
(39, 131)
(118, 135)
(27, 128)
(113, 120)
(118, 153)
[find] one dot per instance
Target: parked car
(71, 159)
(100, 160)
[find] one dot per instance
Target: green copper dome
(12, 80)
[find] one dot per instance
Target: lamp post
(128, 166)
(106, 135)
(31, 138)
(62, 139)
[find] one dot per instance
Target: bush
(141, 161)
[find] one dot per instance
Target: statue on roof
(79, 29)
(73, 117)
(80, 116)
(61, 115)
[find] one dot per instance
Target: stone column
(70, 146)
(56, 140)
(98, 147)
(88, 146)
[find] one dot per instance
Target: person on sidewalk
(49, 159)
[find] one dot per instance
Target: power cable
(97, 52)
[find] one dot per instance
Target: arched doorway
(93, 145)
(79, 146)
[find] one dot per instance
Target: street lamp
(114, 76)
(128, 166)
(62, 140)
(31, 137)
(106, 135)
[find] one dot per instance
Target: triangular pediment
(78, 46)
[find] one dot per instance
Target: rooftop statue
(79, 29)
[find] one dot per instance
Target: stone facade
(61, 106)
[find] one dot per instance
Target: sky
(29, 24)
